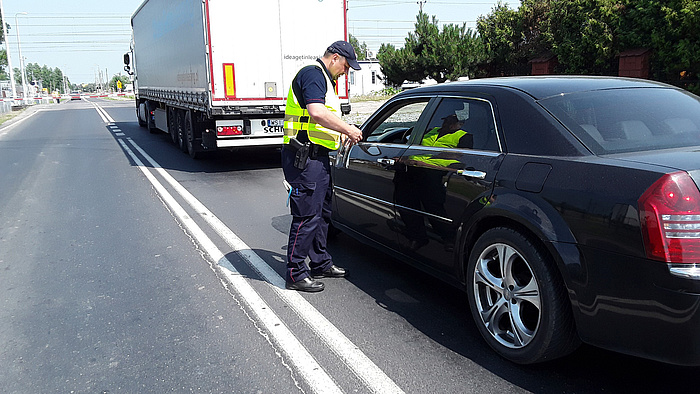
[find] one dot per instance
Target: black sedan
(566, 207)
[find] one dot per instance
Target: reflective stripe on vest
(297, 118)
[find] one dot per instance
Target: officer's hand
(354, 135)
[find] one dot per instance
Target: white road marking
(103, 114)
(370, 374)
(373, 377)
(6, 129)
(303, 361)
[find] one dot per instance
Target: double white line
(103, 114)
(303, 362)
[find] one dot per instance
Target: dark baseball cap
(344, 49)
(452, 119)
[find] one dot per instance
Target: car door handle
(472, 174)
(385, 161)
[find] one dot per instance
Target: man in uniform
(312, 129)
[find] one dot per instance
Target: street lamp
(21, 59)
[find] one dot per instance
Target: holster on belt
(302, 152)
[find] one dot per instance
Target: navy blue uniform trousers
(310, 205)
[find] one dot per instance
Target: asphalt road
(127, 267)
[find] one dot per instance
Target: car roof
(540, 87)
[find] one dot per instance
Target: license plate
(275, 122)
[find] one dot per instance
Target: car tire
(518, 300)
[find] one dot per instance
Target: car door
(449, 168)
(364, 175)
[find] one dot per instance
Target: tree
(668, 28)
(118, 77)
(501, 33)
(3, 65)
(360, 49)
(582, 35)
(4, 75)
(398, 65)
(587, 36)
(51, 79)
(450, 53)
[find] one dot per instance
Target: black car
(566, 207)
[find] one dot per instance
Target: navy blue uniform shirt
(310, 85)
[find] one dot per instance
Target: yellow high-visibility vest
(297, 119)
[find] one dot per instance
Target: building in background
(367, 80)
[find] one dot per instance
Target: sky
(86, 38)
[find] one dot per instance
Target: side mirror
(127, 61)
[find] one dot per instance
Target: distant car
(75, 95)
(567, 208)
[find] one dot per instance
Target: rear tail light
(670, 216)
(229, 130)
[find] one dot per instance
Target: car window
(462, 123)
(396, 124)
(627, 120)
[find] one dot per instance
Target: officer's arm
(329, 120)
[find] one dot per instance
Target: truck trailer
(215, 74)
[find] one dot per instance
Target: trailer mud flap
(209, 139)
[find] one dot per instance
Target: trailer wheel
(139, 110)
(190, 136)
(181, 137)
(172, 124)
(150, 122)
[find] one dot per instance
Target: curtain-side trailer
(215, 74)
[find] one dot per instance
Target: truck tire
(172, 124)
(190, 136)
(138, 114)
(181, 135)
(150, 122)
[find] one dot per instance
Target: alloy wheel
(507, 295)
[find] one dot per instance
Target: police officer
(312, 129)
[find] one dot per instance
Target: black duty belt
(318, 151)
(314, 149)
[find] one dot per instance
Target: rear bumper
(249, 141)
(635, 306)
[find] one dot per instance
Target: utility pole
(9, 58)
(21, 59)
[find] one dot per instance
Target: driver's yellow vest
(433, 138)
(297, 119)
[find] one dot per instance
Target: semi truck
(215, 74)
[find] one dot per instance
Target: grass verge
(10, 115)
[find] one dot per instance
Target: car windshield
(629, 120)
